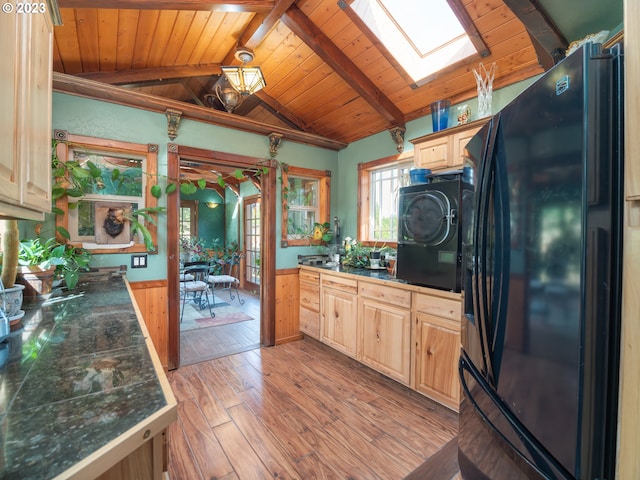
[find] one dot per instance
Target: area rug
(225, 314)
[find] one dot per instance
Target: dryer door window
(426, 218)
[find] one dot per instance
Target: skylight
(423, 36)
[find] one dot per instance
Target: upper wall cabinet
(444, 149)
(25, 122)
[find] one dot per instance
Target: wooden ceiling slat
(201, 50)
(162, 37)
(126, 35)
(230, 28)
(196, 31)
(144, 37)
(87, 26)
(58, 66)
(107, 40)
(67, 42)
(178, 35)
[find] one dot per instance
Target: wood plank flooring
(300, 411)
(214, 342)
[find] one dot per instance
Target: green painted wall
(381, 146)
(210, 220)
(101, 119)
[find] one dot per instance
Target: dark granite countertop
(379, 274)
(74, 375)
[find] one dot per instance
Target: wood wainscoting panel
(151, 297)
(287, 306)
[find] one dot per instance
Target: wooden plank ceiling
(326, 77)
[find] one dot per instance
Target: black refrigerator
(542, 278)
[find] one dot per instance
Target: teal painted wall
(381, 146)
(101, 119)
(105, 120)
(210, 220)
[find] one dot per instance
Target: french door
(251, 208)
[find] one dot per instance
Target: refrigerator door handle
(480, 284)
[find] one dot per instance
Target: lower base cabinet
(339, 314)
(384, 330)
(437, 337)
(408, 333)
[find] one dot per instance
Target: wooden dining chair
(198, 288)
(228, 279)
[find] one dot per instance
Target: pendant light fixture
(241, 81)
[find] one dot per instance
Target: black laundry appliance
(429, 233)
(542, 284)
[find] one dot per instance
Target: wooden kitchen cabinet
(445, 149)
(310, 303)
(433, 154)
(25, 128)
(437, 334)
(339, 310)
(459, 141)
(384, 330)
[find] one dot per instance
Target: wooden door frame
(175, 153)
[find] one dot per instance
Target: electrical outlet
(139, 261)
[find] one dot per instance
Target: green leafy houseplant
(66, 260)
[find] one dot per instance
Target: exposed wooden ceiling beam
(192, 94)
(322, 45)
(284, 113)
(209, 5)
(135, 75)
(548, 41)
(254, 35)
(113, 94)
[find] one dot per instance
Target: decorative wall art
(111, 226)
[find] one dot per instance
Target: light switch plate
(139, 260)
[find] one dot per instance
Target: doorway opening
(195, 332)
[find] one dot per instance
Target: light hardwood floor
(214, 342)
(300, 411)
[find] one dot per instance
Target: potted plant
(37, 263)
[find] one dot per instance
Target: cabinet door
(438, 350)
(434, 153)
(460, 141)
(35, 145)
(340, 320)
(385, 332)
(11, 27)
(25, 128)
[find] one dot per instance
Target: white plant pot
(11, 300)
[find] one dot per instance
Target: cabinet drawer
(309, 297)
(382, 293)
(345, 284)
(309, 277)
(440, 307)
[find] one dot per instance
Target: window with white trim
(379, 184)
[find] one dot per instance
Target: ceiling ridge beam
(322, 45)
(136, 75)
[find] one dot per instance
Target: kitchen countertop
(75, 375)
(383, 276)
